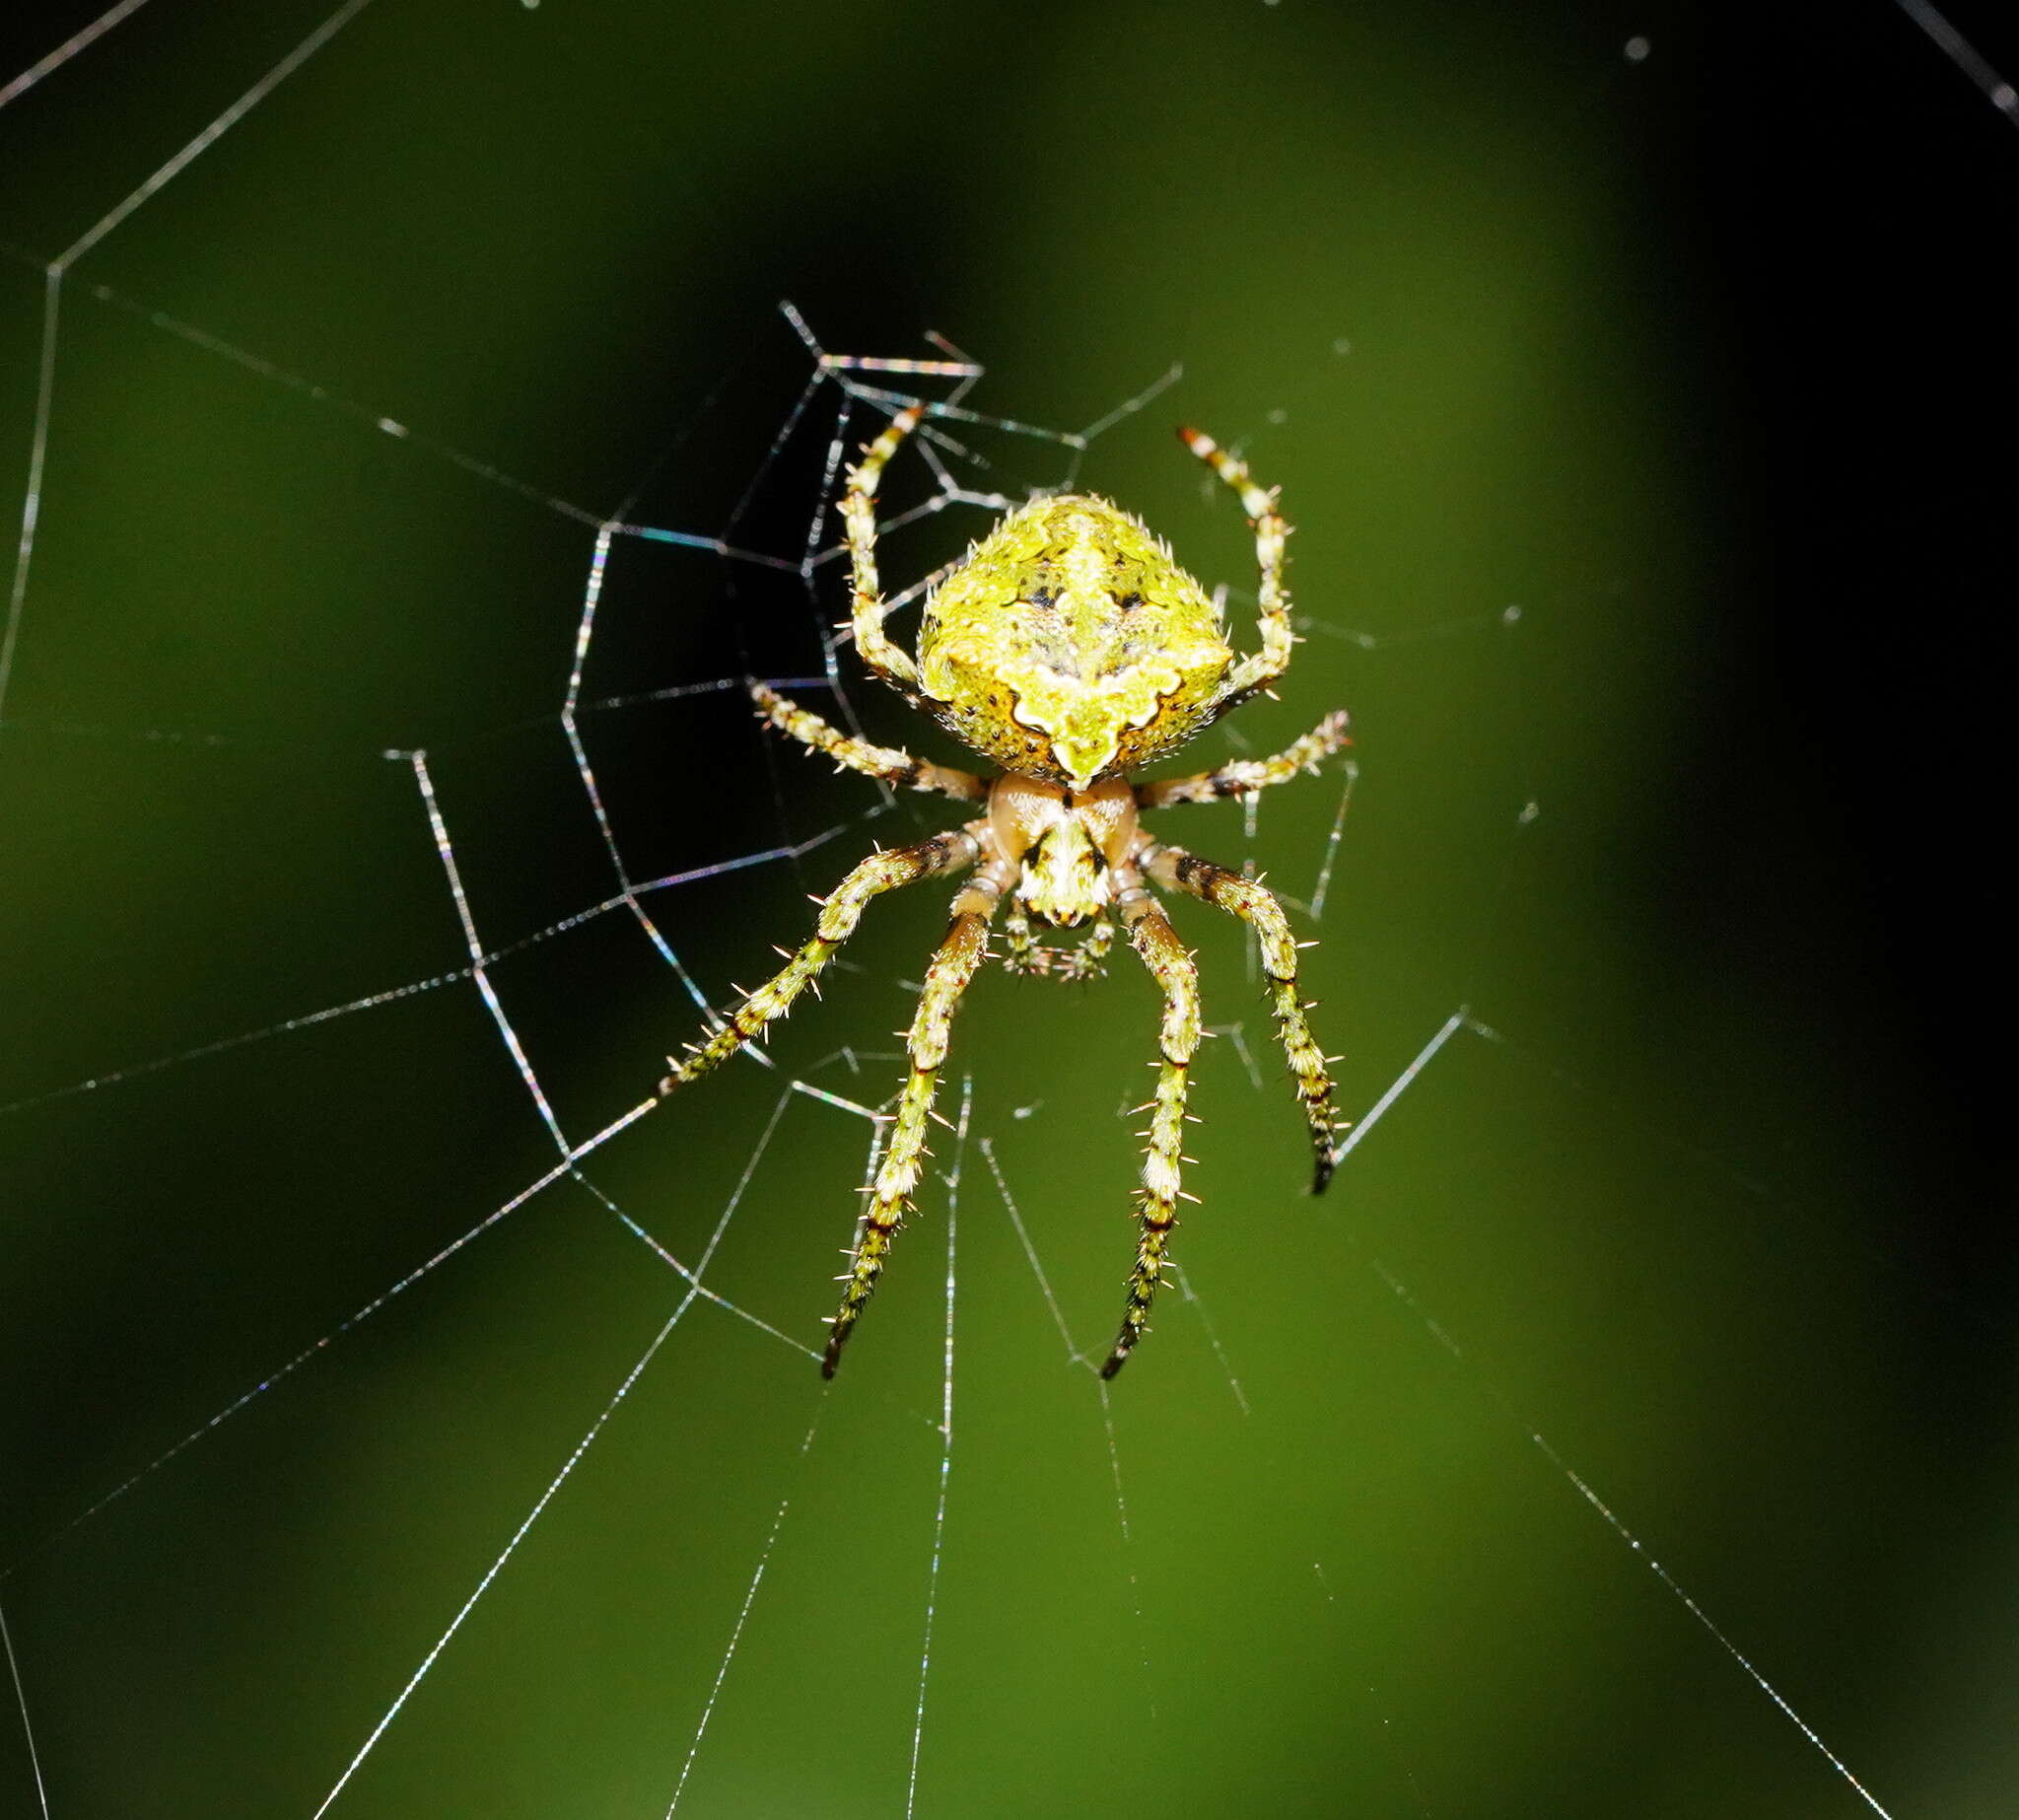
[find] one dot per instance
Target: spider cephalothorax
(1070, 648)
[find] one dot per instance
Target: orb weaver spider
(1072, 649)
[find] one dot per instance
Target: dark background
(1701, 360)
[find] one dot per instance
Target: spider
(1072, 649)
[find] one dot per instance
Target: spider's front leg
(1178, 1037)
(1178, 871)
(946, 978)
(840, 911)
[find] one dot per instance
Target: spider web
(415, 1417)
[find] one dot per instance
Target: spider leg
(1245, 776)
(1178, 1037)
(840, 911)
(1176, 870)
(897, 768)
(859, 520)
(946, 978)
(1260, 669)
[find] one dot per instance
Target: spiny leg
(840, 911)
(1176, 870)
(898, 1175)
(1260, 669)
(893, 766)
(1245, 776)
(859, 520)
(1178, 1037)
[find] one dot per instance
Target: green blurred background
(1677, 346)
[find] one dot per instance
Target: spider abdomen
(1070, 645)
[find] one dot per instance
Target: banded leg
(903, 1156)
(897, 768)
(840, 911)
(1179, 871)
(859, 520)
(1165, 957)
(1245, 776)
(1259, 668)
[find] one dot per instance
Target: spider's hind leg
(858, 523)
(1257, 671)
